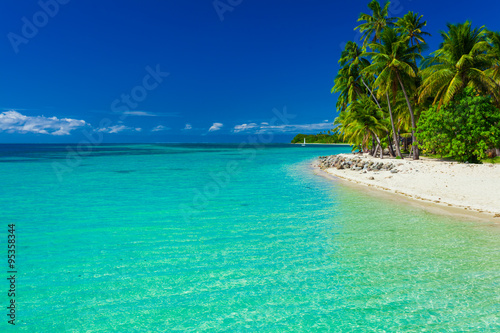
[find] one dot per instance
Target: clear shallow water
(139, 238)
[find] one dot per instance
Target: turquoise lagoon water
(213, 238)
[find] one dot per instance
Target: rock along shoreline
(473, 187)
(356, 163)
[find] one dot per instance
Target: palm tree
(393, 64)
(375, 23)
(411, 26)
(362, 120)
(351, 56)
(348, 85)
(349, 78)
(494, 71)
(460, 62)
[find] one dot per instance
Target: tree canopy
(385, 85)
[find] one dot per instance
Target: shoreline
(427, 206)
(457, 188)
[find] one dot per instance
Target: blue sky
(183, 71)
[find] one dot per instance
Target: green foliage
(494, 160)
(375, 22)
(385, 84)
(318, 138)
(463, 129)
(462, 61)
(411, 26)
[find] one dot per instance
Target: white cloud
(290, 128)
(117, 129)
(215, 127)
(160, 128)
(139, 113)
(188, 127)
(244, 127)
(14, 122)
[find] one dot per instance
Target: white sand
(474, 187)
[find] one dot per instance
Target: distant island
(323, 137)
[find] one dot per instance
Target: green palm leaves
(374, 23)
(391, 57)
(411, 26)
(463, 60)
(394, 68)
(387, 79)
(494, 71)
(362, 121)
(348, 81)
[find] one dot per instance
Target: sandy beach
(473, 187)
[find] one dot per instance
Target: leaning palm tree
(460, 62)
(375, 23)
(350, 76)
(411, 26)
(393, 63)
(352, 64)
(351, 56)
(362, 120)
(358, 139)
(348, 86)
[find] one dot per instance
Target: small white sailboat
(304, 144)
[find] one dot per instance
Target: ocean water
(217, 238)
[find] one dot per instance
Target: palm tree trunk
(371, 93)
(364, 144)
(398, 151)
(399, 138)
(413, 125)
(376, 150)
(391, 151)
(379, 144)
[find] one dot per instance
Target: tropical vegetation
(463, 129)
(393, 99)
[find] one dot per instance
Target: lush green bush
(463, 129)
